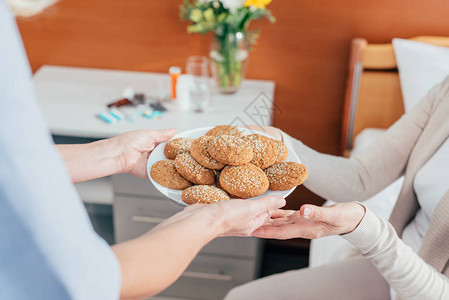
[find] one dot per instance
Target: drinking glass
(198, 68)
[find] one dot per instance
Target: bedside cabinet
(221, 265)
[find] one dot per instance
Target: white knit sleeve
(409, 275)
(368, 172)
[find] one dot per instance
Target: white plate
(175, 195)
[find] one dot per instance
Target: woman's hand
(242, 217)
(125, 153)
(270, 130)
(232, 217)
(135, 147)
(312, 222)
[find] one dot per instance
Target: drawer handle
(145, 219)
(210, 276)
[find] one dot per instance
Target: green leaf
(184, 10)
(221, 17)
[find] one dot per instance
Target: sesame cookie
(205, 194)
(218, 185)
(287, 175)
(264, 149)
(224, 130)
(191, 170)
(198, 150)
(244, 181)
(164, 173)
(230, 150)
(282, 151)
(177, 146)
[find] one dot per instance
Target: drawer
(135, 216)
(131, 185)
(211, 278)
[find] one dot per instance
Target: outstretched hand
(242, 217)
(136, 146)
(125, 153)
(235, 217)
(312, 222)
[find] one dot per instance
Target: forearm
(371, 170)
(331, 177)
(404, 270)
(93, 160)
(359, 177)
(152, 262)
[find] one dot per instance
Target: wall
(305, 52)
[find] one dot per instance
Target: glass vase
(229, 60)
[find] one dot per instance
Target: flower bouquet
(229, 21)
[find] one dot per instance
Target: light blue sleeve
(48, 248)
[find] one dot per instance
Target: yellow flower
(196, 15)
(209, 15)
(257, 3)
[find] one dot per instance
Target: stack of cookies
(224, 164)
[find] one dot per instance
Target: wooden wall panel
(305, 52)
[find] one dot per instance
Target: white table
(71, 98)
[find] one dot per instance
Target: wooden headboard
(373, 94)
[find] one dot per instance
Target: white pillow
(421, 66)
(365, 138)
